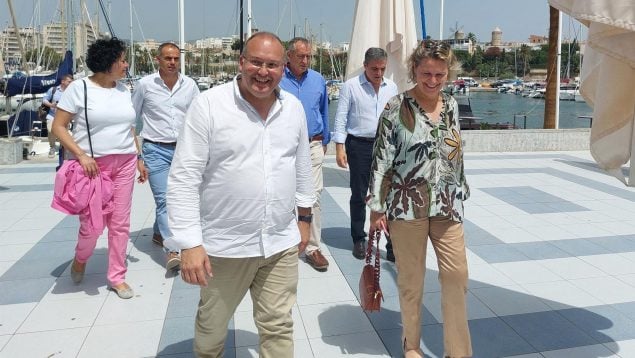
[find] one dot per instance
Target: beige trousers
(317, 158)
(410, 239)
(51, 137)
(273, 284)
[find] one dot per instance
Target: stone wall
(520, 140)
(11, 150)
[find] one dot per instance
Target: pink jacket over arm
(76, 194)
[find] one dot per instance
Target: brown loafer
(317, 261)
(157, 239)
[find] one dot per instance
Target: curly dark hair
(104, 53)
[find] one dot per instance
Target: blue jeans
(157, 159)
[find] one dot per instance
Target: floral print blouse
(417, 168)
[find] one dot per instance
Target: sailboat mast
(182, 34)
(441, 23)
(249, 19)
(132, 51)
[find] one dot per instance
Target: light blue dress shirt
(360, 106)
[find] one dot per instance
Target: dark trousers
(359, 153)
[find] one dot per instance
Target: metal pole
(17, 33)
(558, 64)
(423, 21)
(182, 34)
(441, 23)
(249, 18)
(132, 51)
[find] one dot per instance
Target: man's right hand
(195, 266)
(340, 155)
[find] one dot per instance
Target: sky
(330, 20)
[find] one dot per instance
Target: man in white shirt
(161, 101)
(241, 170)
(362, 99)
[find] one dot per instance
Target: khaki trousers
(317, 159)
(410, 239)
(273, 284)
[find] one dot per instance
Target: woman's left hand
(378, 222)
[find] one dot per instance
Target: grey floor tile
(183, 303)
(25, 291)
(541, 250)
(499, 253)
(177, 336)
(627, 308)
(491, 337)
(548, 331)
(580, 247)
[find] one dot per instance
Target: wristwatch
(306, 218)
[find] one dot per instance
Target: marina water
(494, 107)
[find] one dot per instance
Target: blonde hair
(437, 50)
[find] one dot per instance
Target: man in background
(310, 88)
(362, 99)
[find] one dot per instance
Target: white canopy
(608, 78)
(388, 24)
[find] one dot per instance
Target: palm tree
(552, 70)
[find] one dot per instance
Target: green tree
(50, 59)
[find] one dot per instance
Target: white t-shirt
(110, 117)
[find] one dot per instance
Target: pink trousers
(121, 169)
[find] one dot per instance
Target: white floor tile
(487, 275)
(629, 279)
(531, 355)
(14, 252)
(527, 272)
(14, 315)
(607, 289)
(475, 308)
(324, 290)
(571, 268)
(58, 343)
(136, 339)
(72, 313)
(612, 264)
(141, 307)
(561, 295)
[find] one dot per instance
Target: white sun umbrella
(388, 24)
(607, 76)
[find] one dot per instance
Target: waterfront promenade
(551, 251)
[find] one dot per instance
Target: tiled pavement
(551, 250)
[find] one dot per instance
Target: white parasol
(608, 79)
(388, 24)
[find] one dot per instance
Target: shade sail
(388, 24)
(608, 78)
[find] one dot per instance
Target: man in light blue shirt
(310, 88)
(362, 99)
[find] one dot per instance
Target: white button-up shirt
(162, 110)
(359, 107)
(235, 179)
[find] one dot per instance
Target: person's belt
(316, 137)
(363, 139)
(168, 144)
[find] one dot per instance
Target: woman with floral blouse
(417, 188)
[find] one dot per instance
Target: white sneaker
(52, 152)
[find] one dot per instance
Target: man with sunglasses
(240, 172)
(310, 88)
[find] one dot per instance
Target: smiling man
(362, 99)
(160, 101)
(241, 170)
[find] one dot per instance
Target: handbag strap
(90, 142)
(373, 240)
